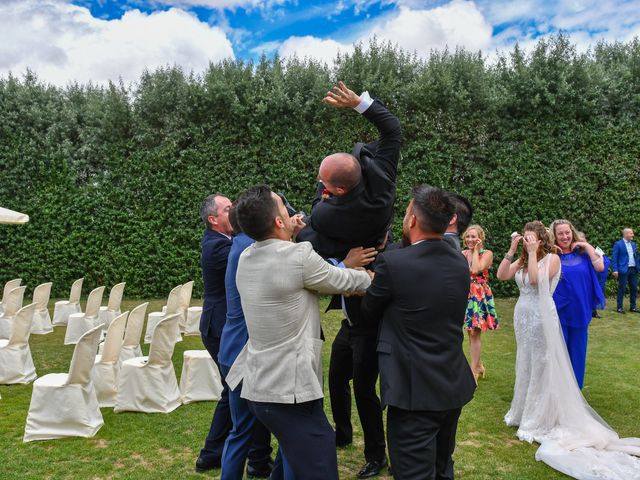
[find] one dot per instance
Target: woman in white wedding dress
(547, 406)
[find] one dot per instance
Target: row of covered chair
(64, 405)
(12, 300)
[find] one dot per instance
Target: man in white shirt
(281, 365)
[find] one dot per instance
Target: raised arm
(509, 265)
(388, 149)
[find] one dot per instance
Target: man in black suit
(353, 208)
(419, 295)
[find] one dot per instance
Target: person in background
(625, 265)
(578, 291)
(460, 220)
(481, 309)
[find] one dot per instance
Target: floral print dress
(481, 309)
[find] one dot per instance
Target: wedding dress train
(548, 406)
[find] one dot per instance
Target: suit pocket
(384, 347)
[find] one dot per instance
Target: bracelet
(509, 257)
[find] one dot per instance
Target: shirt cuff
(365, 103)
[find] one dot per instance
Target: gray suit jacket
(453, 240)
(278, 283)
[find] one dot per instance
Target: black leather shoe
(253, 472)
(203, 465)
(634, 310)
(371, 469)
(595, 315)
(621, 311)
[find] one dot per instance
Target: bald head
(627, 234)
(339, 173)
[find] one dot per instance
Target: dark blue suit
(215, 251)
(234, 337)
(626, 274)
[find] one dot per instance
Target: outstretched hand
(340, 96)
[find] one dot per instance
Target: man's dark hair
(463, 210)
(432, 207)
(233, 218)
(255, 211)
(209, 207)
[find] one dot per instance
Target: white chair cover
(10, 285)
(79, 323)
(16, 364)
(106, 366)
(65, 405)
(12, 304)
(173, 306)
(185, 301)
(41, 319)
(193, 321)
(148, 384)
(112, 310)
(200, 379)
(64, 308)
(131, 345)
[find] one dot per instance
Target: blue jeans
(248, 437)
(631, 278)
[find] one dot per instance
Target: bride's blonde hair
(543, 235)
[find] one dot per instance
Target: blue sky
(97, 40)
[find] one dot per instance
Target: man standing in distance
(419, 296)
(281, 365)
(624, 266)
(216, 244)
(460, 220)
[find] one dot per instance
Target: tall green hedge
(113, 176)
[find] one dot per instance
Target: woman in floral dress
(481, 309)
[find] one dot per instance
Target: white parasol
(9, 216)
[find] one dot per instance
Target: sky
(64, 41)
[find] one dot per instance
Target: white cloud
(63, 42)
(458, 23)
(313, 47)
(223, 4)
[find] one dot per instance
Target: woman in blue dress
(578, 292)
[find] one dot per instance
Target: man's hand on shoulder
(340, 96)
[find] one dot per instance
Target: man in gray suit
(280, 367)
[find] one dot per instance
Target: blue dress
(577, 295)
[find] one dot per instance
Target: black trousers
(354, 356)
(306, 439)
(421, 443)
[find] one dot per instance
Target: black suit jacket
(215, 251)
(419, 296)
(363, 215)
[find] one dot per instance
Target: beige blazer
(279, 282)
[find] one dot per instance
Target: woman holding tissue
(578, 291)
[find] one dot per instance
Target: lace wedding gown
(548, 407)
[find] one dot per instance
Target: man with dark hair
(353, 208)
(460, 220)
(280, 367)
(216, 244)
(418, 297)
(248, 437)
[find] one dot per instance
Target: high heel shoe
(482, 371)
(475, 377)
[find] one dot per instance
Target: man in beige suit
(280, 367)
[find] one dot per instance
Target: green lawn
(158, 446)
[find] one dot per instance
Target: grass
(152, 446)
